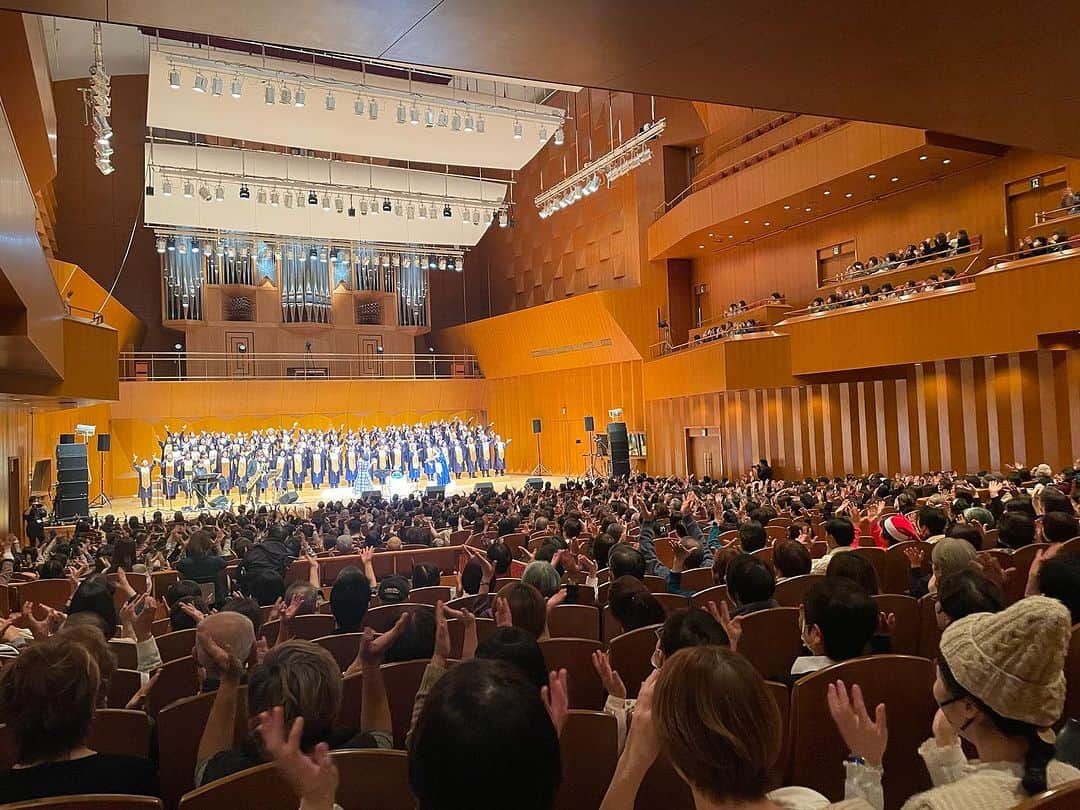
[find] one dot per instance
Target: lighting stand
(539, 469)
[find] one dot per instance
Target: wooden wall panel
(16, 435)
(968, 415)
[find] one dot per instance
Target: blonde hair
(717, 722)
(305, 680)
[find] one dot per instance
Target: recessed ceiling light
(946, 161)
(767, 224)
(746, 222)
(731, 236)
(710, 236)
(872, 176)
(807, 209)
(787, 207)
(922, 157)
(827, 193)
(700, 247)
(894, 179)
(849, 195)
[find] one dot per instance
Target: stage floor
(309, 497)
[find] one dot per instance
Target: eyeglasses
(660, 633)
(942, 704)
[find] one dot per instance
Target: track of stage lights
(353, 200)
(292, 90)
(621, 160)
(98, 101)
(364, 254)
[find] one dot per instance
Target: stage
(125, 506)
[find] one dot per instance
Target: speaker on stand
(104, 445)
(591, 470)
(619, 442)
(539, 469)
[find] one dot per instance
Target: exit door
(703, 452)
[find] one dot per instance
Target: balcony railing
(182, 365)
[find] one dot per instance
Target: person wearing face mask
(1000, 686)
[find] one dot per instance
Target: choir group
(271, 459)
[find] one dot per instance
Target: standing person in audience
(1001, 687)
(48, 697)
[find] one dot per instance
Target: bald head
(233, 631)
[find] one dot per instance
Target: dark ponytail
(1038, 756)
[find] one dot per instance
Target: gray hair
(542, 576)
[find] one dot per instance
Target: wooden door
(703, 452)
(369, 355)
(241, 347)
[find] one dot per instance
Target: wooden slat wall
(15, 437)
(967, 415)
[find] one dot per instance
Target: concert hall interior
(555, 299)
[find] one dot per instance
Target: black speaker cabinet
(72, 475)
(537, 427)
(483, 486)
(439, 492)
(590, 424)
(73, 489)
(620, 448)
(104, 442)
(288, 497)
(67, 438)
(72, 507)
(535, 483)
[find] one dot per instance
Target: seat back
(764, 554)
(402, 683)
(771, 640)
(929, 632)
(177, 644)
(1066, 797)
(1021, 560)
(663, 788)
(631, 656)
(905, 635)
(52, 592)
(178, 679)
(671, 602)
(575, 656)
(876, 557)
(697, 579)
(791, 591)
(343, 646)
(179, 729)
(127, 657)
(368, 778)
(467, 602)
(382, 618)
(904, 684)
(352, 698)
(655, 584)
(776, 532)
(89, 802)
(898, 566)
(308, 627)
(1072, 675)
(574, 621)
(780, 694)
(717, 593)
(429, 595)
(123, 685)
(120, 731)
(160, 627)
(589, 744)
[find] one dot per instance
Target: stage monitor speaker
(67, 438)
(72, 475)
(368, 494)
(439, 492)
(71, 507)
(534, 482)
(104, 442)
(288, 497)
(590, 424)
(73, 489)
(537, 426)
(620, 449)
(483, 486)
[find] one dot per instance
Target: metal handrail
(1067, 248)
(877, 296)
(76, 311)
(252, 365)
(664, 347)
(712, 177)
(1043, 217)
(751, 135)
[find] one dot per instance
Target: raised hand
(612, 681)
(192, 611)
(230, 667)
(503, 616)
(137, 699)
(556, 697)
(864, 737)
(313, 778)
(732, 626)
(374, 648)
(643, 745)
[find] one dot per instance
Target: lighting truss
(537, 114)
(267, 185)
(98, 102)
(621, 160)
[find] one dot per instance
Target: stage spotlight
(325, 202)
(161, 244)
(397, 208)
(363, 208)
(312, 198)
(432, 213)
(476, 216)
(373, 109)
(480, 125)
(414, 115)
(446, 212)
(431, 349)
(194, 246)
(444, 118)
(236, 87)
(502, 220)
(170, 244)
(174, 78)
(200, 83)
(469, 126)
(331, 102)
(560, 137)
(189, 188)
(241, 347)
(166, 187)
(543, 134)
(301, 97)
(220, 249)
(455, 122)
(181, 247)
(260, 196)
(401, 112)
(339, 204)
(219, 193)
(288, 199)
(352, 209)
(423, 211)
(268, 94)
(379, 349)
(465, 215)
(313, 254)
(204, 192)
(358, 106)
(386, 205)
(286, 94)
(216, 85)
(245, 194)
(429, 117)
(275, 198)
(410, 212)
(374, 206)
(517, 131)
(178, 346)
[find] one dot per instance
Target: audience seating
(89, 802)
(717, 593)
(179, 729)
(776, 532)
(161, 626)
(904, 683)
(381, 619)
(123, 685)
(663, 788)
(790, 592)
(161, 580)
(1072, 675)
(343, 646)
(771, 640)
(671, 602)
(575, 656)
(1021, 561)
(876, 557)
(126, 655)
(52, 592)
(178, 679)
(589, 746)
(309, 626)
(697, 579)
(780, 694)
(120, 731)
(177, 644)
(602, 591)
(369, 778)
(631, 655)
(990, 539)
(905, 636)
(402, 683)
(764, 554)
(574, 621)
(352, 698)
(1066, 797)
(897, 577)
(458, 538)
(929, 633)
(502, 582)
(429, 595)
(655, 584)
(467, 602)
(818, 549)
